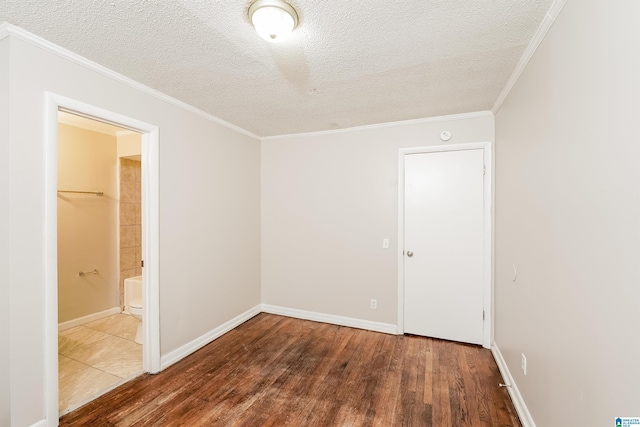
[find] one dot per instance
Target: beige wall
(5, 396)
(209, 214)
(328, 200)
(87, 224)
(130, 222)
(567, 215)
(129, 144)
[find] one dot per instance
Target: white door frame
(488, 228)
(150, 238)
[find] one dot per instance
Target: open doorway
(99, 319)
(99, 258)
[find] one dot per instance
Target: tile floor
(96, 357)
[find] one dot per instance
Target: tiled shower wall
(130, 222)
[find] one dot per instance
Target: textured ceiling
(349, 62)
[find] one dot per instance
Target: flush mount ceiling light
(273, 20)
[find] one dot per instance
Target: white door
(444, 241)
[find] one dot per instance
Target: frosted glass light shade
(274, 20)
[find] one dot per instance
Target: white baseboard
(41, 423)
(190, 347)
(386, 328)
(521, 408)
(89, 318)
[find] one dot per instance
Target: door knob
(409, 254)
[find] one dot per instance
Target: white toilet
(133, 302)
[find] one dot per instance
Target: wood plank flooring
(279, 371)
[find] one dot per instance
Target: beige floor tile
(129, 334)
(113, 325)
(72, 339)
(76, 332)
(95, 357)
(70, 331)
(115, 355)
(67, 366)
(78, 388)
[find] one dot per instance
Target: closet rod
(97, 193)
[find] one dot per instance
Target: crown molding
(4, 30)
(436, 119)
(544, 27)
(22, 34)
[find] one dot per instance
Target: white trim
(4, 30)
(151, 250)
(51, 262)
(88, 318)
(41, 423)
(90, 125)
(543, 28)
(521, 407)
(488, 230)
(555, 9)
(492, 297)
(451, 117)
(28, 37)
(196, 344)
(351, 322)
(150, 231)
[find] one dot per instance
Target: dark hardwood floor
(279, 371)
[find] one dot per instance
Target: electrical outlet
(524, 363)
(385, 243)
(374, 304)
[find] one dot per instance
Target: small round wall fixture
(445, 135)
(274, 20)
